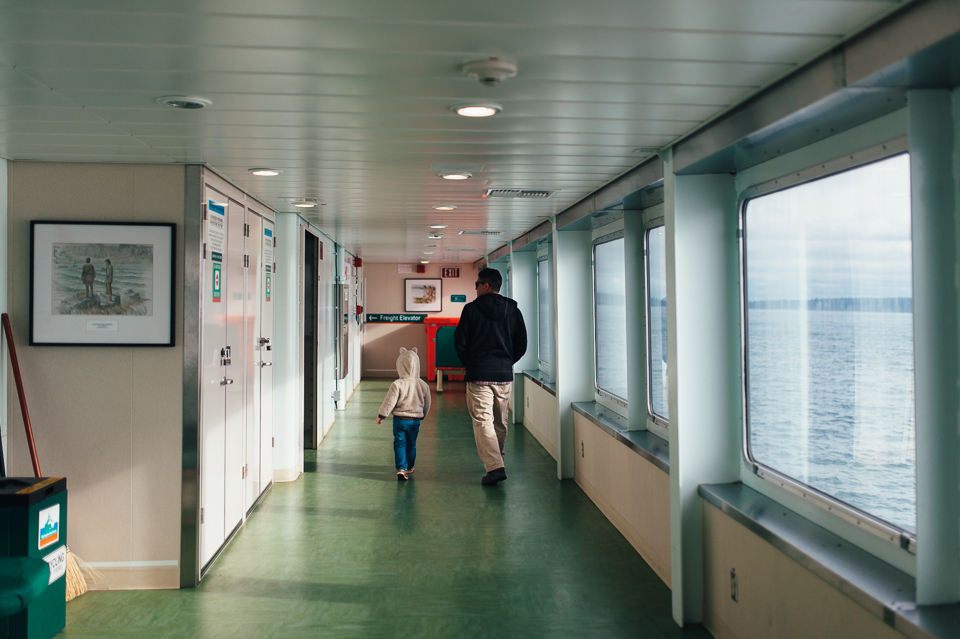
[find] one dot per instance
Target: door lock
(225, 356)
(262, 364)
(226, 382)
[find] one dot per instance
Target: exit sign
(458, 298)
(450, 271)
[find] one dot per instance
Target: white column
(523, 288)
(573, 313)
(287, 385)
(704, 364)
(636, 294)
(936, 351)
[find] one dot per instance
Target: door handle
(226, 382)
(262, 364)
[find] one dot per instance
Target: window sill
(652, 448)
(534, 376)
(883, 590)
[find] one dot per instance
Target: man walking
(490, 338)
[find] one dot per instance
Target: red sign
(450, 271)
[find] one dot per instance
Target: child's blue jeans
(405, 433)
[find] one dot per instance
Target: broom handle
(23, 398)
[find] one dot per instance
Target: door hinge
(243, 473)
(204, 206)
(246, 261)
(273, 442)
(201, 515)
(246, 230)
(204, 251)
(274, 268)
(274, 242)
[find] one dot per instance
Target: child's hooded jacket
(409, 396)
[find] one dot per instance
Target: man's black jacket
(490, 338)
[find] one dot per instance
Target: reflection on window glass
(657, 385)
(505, 287)
(611, 317)
(830, 337)
(545, 311)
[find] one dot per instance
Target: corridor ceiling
(351, 99)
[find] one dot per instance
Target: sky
(846, 235)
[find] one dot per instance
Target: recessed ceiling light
(430, 245)
(475, 110)
(183, 101)
(428, 252)
(456, 176)
(438, 226)
(264, 172)
(424, 261)
(434, 237)
(304, 204)
(444, 207)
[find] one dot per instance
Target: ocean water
(831, 404)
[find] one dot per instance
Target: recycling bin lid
(18, 492)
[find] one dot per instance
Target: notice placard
(216, 229)
(49, 526)
(57, 560)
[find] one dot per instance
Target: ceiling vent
(461, 249)
(479, 232)
(530, 194)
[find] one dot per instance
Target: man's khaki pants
(488, 407)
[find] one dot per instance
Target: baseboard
(716, 626)
(651, 556)
(286, 474)
(136, 578)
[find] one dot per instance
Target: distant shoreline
(857, 304)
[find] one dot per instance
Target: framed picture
(101, 284)
(422, 296)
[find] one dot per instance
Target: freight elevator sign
(396, 318)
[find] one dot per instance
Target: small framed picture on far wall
(422, 296)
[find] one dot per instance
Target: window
(545, 312)
(657, 383)
(610, 317)
(829, 347)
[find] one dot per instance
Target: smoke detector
(490, 71)
(183, 101)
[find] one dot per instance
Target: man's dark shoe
(495, 475)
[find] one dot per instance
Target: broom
(76, 584)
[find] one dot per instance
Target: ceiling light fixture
(444, 207)
(430, 245)
(476, 110)
(428, 252)
(304, 204)
(438, 226)
(456, 176)
(434, 237)
(183, 101)
(424, 261)
(265, 172)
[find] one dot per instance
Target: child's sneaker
(402, 475)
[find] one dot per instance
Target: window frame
(861, 519)
(652, 225)
(619, 404)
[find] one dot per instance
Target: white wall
(287, 384)
(107, 419)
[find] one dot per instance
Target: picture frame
(102, 283)
(422, 295)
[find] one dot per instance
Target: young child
(409, 400)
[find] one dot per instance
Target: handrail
(8, 331)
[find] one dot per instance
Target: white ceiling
(350, 98)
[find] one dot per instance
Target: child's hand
(379, 420)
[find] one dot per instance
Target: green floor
(347, 551)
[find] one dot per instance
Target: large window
(829, 325)
(657, 385)
(610, 313)
(545, 312)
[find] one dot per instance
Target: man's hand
(379, 419)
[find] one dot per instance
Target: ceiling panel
(352, 99)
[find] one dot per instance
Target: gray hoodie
(409, 396)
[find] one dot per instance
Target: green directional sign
(458, 298)
(396, 318)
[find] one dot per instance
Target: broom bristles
(76, 582)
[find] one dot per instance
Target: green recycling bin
(33, 529)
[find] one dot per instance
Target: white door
(235, 372)
(251, 349)
(212, 354)
(266, 356)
